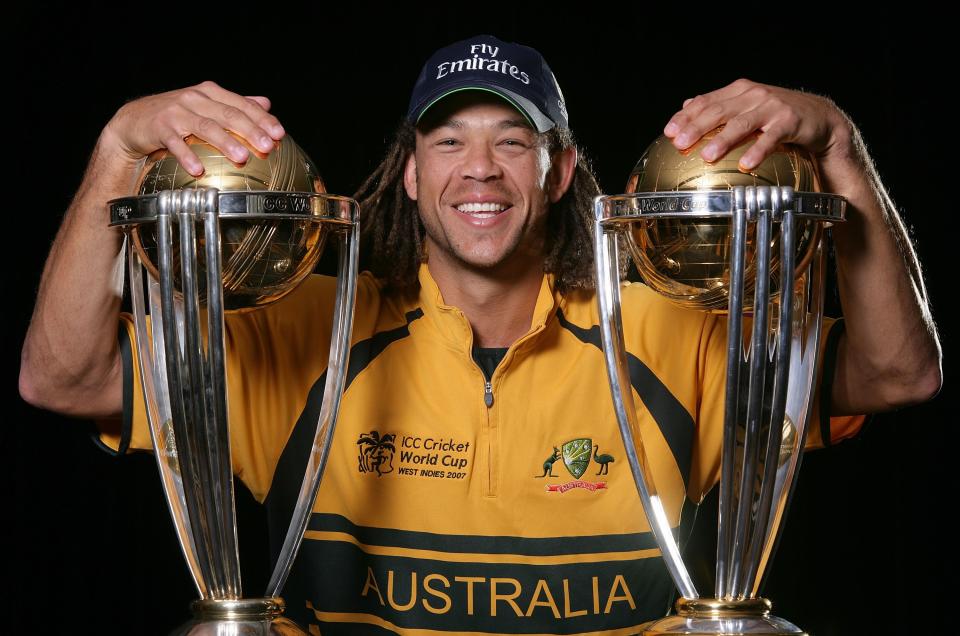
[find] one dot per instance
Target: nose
(480, 163)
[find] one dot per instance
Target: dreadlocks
(392, 233)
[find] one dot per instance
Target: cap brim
(531, 113)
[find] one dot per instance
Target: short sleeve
(132, 431)
(823, 429)
(712, 363)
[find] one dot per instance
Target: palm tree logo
(376, 453)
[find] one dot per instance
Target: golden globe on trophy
(234, 239)
(750, 245)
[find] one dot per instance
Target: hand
(205, 110)
(785, 116)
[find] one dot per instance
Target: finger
(188, 116)
(694, 122)
(763, 147)
(261, 101)
(734, 131)
(243, 116)
(695, 107)
(775, 124)
(673, 126)
(187, 158)
(212, 132)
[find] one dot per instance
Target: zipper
(489, 488)
(490, 485)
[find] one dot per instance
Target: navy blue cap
(515, 72)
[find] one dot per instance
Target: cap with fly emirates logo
(515, 72)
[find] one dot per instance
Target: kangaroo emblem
(548, 463)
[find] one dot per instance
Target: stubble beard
(514, 257)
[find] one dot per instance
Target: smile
(482, 210)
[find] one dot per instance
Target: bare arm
(70, 351)
(70, 361)
(890, 354)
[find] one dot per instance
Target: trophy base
(241, 617)
(721, 617)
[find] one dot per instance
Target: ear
(561, 173)
(410, 176)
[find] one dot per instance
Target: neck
(498, 304)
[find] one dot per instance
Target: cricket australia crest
(576, 455)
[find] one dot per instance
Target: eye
(514, 143)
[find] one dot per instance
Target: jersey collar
(452, 324)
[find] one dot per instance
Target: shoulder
(641, 309)
(320, 291)
(376, 309)
(308, 307)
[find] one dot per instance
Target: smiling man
(484, 181)
(477, 481)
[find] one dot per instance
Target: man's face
(483, 183)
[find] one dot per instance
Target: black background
(91, 548)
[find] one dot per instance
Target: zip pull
(488, 394)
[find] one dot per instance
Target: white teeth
(474, 208)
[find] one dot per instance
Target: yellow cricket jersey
(453, 505)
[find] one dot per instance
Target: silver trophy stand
(769, 383)
(182, 371)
